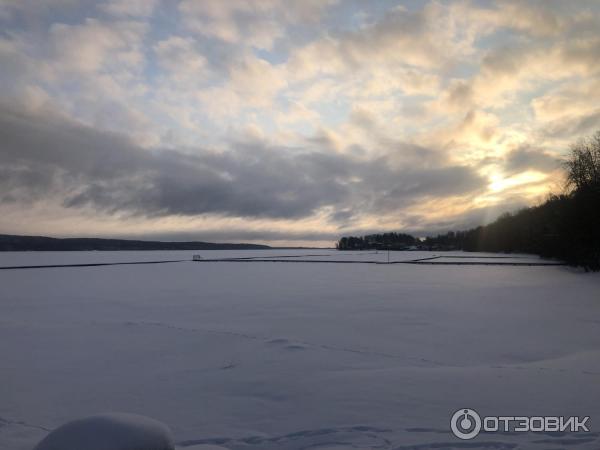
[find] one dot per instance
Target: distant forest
(566, 226)
(14, 243)
(383, 241)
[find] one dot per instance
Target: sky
(288, 122)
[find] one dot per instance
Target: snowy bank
(115, 431)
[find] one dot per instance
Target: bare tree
(583, 164)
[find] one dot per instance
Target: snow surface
(114, 431)
(293, 356)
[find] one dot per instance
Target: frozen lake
(269, 355)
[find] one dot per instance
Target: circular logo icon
(465, 423)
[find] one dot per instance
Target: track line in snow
(4, 422)
(415, 262)
(52, 266)
(293, 342)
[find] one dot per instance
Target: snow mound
(114, 431)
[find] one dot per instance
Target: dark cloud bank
(44, 155)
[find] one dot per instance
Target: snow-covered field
(269, 355)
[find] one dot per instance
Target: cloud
(257, 23)
(411, 39)
(95, 45)
(181, 60)
(129, 8)
(525, 158)
(108, 172)
(569, 110)
(576, 125)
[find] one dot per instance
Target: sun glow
(500, 183)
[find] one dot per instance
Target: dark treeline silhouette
(12, 243)
(387, 241)
(566, 226)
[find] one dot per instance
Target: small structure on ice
(196, 258)
(114, 431)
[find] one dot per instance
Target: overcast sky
(287, 122)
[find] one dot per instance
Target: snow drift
(115, 431)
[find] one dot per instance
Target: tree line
(383, 241)
(566, 226)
